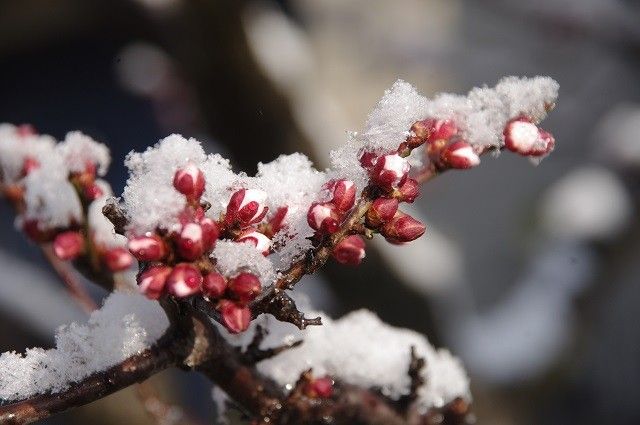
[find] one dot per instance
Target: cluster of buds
(178, 263)
(444, 145)
(524, 137)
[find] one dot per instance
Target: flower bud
(522, 136)
(147, 248)
(184, 280)
(344, 195)
(390, 171)
(323, 217)
(214, 285)
(151, 282)
(33, 230)
(368, 160)
(190, 241)
(246, 207)
(25, 130)
(433, 129)
(460, 155)
(245, 287)
(408, 191)
(259, 240)
(189, 180)
(117, 259)
(350, 250)
(210, 233)
(276, 223)
(235, 318)
(381, 211)
(68, 245)
(28, 165)
(93, 192)
(319, 388)
(402, 228)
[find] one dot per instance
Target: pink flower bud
(25, 130)
(390, 171)
(214, 285)
(344, 195)
(117, 259)
(245, 287)
(368, 160)
(33, 230)
(147, 248)
(349, 251)
(323, 217)
(259, 240)
(522, 136)
(433, 129)
(235, 318)
(402, 228)
(68, 245)
(151, 282)
(409, 191)
(93, 192)
(460, 155)
(184, 280)
(210, 233)
(319, 388)
(246, 207)
(189, 180)
(29, 165)
(381, 211)
(276, 223)
(190, 241)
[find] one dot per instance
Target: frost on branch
(124, 326)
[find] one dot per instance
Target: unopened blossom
(93, 192)
(344, 195)
(245, 287)
(324, 217)
(459, 155)
(402, 228)
(147, 248)
(235, 317)
(524, 137)
(381, 211)
(319, 388)
(190, 241)
(390, 171)
(210, 233)
(408, 191)
(350, 250)
(214, 285)
(68, 245)
(246, 207)
(259, 240)
(117, 259)
(152, 281)
(184, 280)
(189, 180)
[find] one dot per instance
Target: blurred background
(529, 274)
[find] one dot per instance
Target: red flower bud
(409, 191)
(151, 282)
(189, 180)
(276, 222)
(28, 165)
(184, 280)
(245, 287)
(246, 207)
(319, 388)
(259, 240)
(344, 195)
(522, 136)
(460, 155)
(213, 285)
(381, 211)
(368, 160)
(235, 318)
(147, 248)
(390, 171)
(93, 192)
(32, 229)
(117, 259)
(350, 250)
(210, 233)
(68, 245)
(190, 241)
(433, 129)
(402, 228)
(323, 217)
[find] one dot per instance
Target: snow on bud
(390, 171)
(147, 248)
(189, 180)
(28, 165)
(117, 259)
(344, 195)
(323, 217)
(151, 282)
(350, 250)
(259, 240)
(402, 228)
(214, 285)
(408, 191)
(246, 207)
(33, 230)
(523, 137)
(68, 245)
(210, 233)
(93, 192)
(276, 223)
(190, 241)
(368, 160)
(319, 388)
(460, 155)
(245, 287)
(381, 211)
(184, 280)
(25, 130)
(235, 318)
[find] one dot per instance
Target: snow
(78, 149)
(14, 149)
(360, 349)
(126, 325)
(235, 257)
(102, 228)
